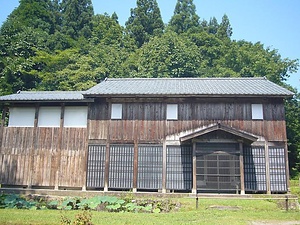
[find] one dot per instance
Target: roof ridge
(188, 78)
(38, 92)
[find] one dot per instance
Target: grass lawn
(248, 210)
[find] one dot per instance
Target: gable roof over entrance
(220, 127)
(213, 87)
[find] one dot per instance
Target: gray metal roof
(247, 87)
(47, 96)
(188, 87)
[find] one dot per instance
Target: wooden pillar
(164, 169)
(4, 111)
(268, 180)
(194, 191)
(59, 146)
(242, 179)
(287, 167)
(107, 152)
(86, 150)
(135, 166)
(33, 147)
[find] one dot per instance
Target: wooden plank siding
(57, 157)
(145, 121)
(34, 159)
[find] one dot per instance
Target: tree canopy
(145, 21)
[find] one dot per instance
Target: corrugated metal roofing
(44, 96)
(188, 86)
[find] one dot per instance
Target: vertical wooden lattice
(277, 169)
(150, 161)
(121, 166)
(179, 167)
(255, 169)
(96, 163)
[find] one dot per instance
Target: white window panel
(49, 116)
(116, 111)
(257, 112)
(75, 116)
(21, 117)
(172, 111)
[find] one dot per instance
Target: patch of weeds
(82, 218)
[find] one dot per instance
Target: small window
(49, 116)
(257, 112)
(116, 111)
(75, 116)
(172, 111)
(21, 117)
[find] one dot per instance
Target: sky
(274, 23)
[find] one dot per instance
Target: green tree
(77, 17)
(213, 26)
(106, 30)
(38, 14)
(184, 17)
(16, 51)
(27, 29)
(64, 70)
(253, 60)
(145, 21)
(225, 30)
(211, 50)
(171, 55)
(292, 108)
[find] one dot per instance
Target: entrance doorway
(218, 167)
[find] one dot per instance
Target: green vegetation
(126, 210)
(62, 45)
(97, 203)
(210, 211)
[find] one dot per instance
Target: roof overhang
(47, 101)
(220, 127)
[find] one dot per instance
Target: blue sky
(274, 23)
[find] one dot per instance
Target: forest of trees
(63, 45)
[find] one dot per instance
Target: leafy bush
(16, 201)
(97, 203)
(113, 204)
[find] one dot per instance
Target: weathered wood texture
(32, 156)
(145, 121)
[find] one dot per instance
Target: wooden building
(216, 135)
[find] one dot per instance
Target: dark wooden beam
(242, 179)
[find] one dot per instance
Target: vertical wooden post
(287, 172)
(86, 149)
(1, 133)
(164, 169)
(242, 179)
(135, 166)
(33, 147)
(165, 133)
(194, 191)
(268, 180)
(107, 152)
(4, 111)
(59, 146)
